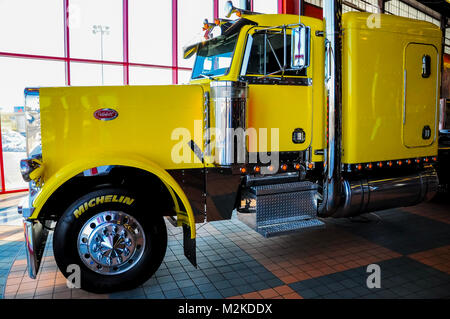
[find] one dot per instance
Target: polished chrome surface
(111, 242)
(279, 208)
(251, 180)
(367, 195)
(332, 167)
(33, 119)
(35, 239)
(444, 110)
(229, 104)
(286, 228)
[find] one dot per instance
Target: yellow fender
(79, 166)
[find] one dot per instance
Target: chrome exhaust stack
(354, 196)
(332, 183)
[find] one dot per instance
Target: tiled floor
(411, 245)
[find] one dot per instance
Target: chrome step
(285, 228)
(280, 208)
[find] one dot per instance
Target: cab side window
(267, 55)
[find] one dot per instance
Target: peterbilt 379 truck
(287, 120)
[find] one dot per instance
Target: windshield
(214, 57)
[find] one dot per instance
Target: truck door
(420, 99)
(277, 100)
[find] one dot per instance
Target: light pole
(103, 30)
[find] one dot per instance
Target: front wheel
(114, 239)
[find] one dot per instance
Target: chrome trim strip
(404, 97)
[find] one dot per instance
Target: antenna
(299, 11)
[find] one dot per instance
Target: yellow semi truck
(286, 120)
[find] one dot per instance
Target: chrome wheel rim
(111, 242)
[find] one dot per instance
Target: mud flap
(189, 246)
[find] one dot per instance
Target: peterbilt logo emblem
(106, 114)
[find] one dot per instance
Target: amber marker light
(408, 161)
(389, 163)
(369, 165)
(270, 168)
(257, 169)
(243, 170)
(417, 160)
(400, 163)
(297, 166)
(310, 165)
(434, 159)
(217, 21)
(284, 167)
(426, 160)
(380, 164)
(359, 167)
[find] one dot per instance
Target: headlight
(33, 119)
(31, 169)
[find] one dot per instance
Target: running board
(278, 209)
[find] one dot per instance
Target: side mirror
(300, 45)
(229, 9)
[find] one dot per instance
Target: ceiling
(441, 6)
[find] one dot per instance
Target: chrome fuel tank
(378, 193)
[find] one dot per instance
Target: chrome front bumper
(35, 232)
(35, 239)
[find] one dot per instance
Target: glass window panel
(33, 27)
(87, 74)
(83, 42)
(191, 14)
(18, 74)
(150, 76)
(150, 32)
(262, 60)
(265, 6)
(184, 76)
(21, 73)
